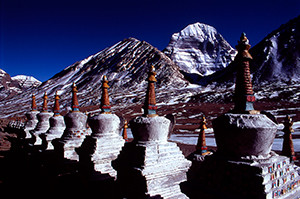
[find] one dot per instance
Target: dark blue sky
(41, 38)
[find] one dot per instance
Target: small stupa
(150, 166)
(124, 134)
(57, 124)
(31, 117)
(75, 131)
(105, 142)
(43, 121)
(201, 147)
(288, 146)
(244, 165)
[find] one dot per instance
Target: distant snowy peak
(277, 57)
(200, 49)
(26, 81)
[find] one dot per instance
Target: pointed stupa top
(45, 106)
(244, 95)
(203, 123)
(105, 105)
(56, 105)
(75, 105)
(150, 101)
(243, 47)
(33, 103)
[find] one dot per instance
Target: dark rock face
(276, 57)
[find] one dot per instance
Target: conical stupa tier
(244, 95)
(75, 132)
(57, 125)
(31, 118)
(43, 122)
(106, 139)
(150, 165)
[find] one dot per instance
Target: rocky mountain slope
(125, 64)
(277, 57)
(8, 86)
(199, 49)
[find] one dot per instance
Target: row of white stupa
(67, 135)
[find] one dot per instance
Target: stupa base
(267, 177)
(151, 169)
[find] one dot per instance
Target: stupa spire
(288, 146)
(201, 145)
(56, 105)
(45, 106)
(125, 137)
(33, 103)
(105, 105)
(75, 105)
(244, 95)
(150, 101)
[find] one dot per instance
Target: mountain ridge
(125, 64)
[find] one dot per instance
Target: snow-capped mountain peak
(26, 81)
(198, 30)
(199, 49)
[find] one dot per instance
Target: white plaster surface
(150, 128)
(31, 122)
(74, 134)
(42, 126)
(56, 130)
(244, 134)
(108, 142)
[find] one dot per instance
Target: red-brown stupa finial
(288, 146)
(125, 137)
(56, 105)
(201, 145)
(33, 103)
(75, 105)
(45, 106)
(150, 101)
(105, 105)
(244, 95)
